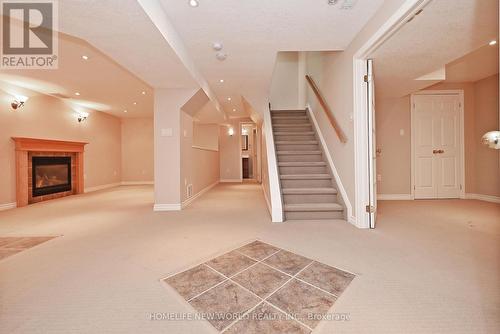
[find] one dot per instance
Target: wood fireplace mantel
(26, 145)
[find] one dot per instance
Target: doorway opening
(250, 152)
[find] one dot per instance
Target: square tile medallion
(13, 245)
(260, 288)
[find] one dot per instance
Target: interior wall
(199, 166)
(482, 174)
(285, 82)
(50, 118)
(230, 150)
(206, 136)
(137, 150)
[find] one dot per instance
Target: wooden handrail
(326, 108)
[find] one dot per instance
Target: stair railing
(327, 110)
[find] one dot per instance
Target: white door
(372, 156)
(436, 146)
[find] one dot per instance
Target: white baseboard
(267, 200)
(201, 192)
(8, 206)
(167, 207)
(231, 181)
(486, 198)
(101, 187)
(394, 197)
(136, 183)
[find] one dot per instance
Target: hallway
(424, 267)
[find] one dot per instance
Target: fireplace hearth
(50, 175)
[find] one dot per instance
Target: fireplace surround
(53, 183)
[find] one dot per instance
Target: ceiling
(442, 34)
(102, 84)
(477, 65)
(252, 32)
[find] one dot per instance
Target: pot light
(135, 103)
(143, 93)
(217, 46)
(193, 3)
(77, 94)
(234, 110)
(229, 99)
(221, 80)
(494, 42)
(84, 57)
(125, 111)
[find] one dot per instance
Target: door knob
(441, 151)
(435, 151)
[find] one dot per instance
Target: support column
(167, 152)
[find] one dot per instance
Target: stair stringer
(338, 182)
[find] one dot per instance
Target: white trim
(231, 181)
(360, 119)
(167, 207)
(343, 192)
(101, 187)
(8, 206)
(486, 198)
(198, 194)
(266, 199)
(461, 158)
(394, 197)
(136, 183)
(272, 170)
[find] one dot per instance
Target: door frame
(360, 105)
(461, 130)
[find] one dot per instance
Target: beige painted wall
(482, 174)
(285, 83)
(137, 150)
(199, 166)
(206, 136)
(50, 118)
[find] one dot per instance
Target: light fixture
(221, 80)
(230, 132)
(135, 103)
(492, 139)
(244, 131)
(221, 56)
(82, 116)
(217, 46)
(84, 57)
(125, 111)
(18, 102)
(234, 110)
(77, 94)
(193, 3)
(143, 92)
(493, 42)
(332, 2)
(229, 99)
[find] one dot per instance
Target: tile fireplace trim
(24, 146)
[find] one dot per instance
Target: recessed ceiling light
(229, 99)
(143, 93)
(221, 80)
(77, 94)
(194, 3)
(221, 56)
(125, 111)
(85, 57)
(135, 103)
(494, 42)
(234, 110)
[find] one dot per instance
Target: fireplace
(50, 175)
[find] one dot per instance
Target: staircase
(308, 188)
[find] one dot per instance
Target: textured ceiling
(445, 31)
(252, 32)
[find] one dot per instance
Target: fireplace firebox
(51, 175)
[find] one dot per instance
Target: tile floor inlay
(259, 288)
(13, 245)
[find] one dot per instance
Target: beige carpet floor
(429, 267)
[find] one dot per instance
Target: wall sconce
(492, 140)
(230, 132)
(18, 102)
(82, 116)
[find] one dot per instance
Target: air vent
(348, 4)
